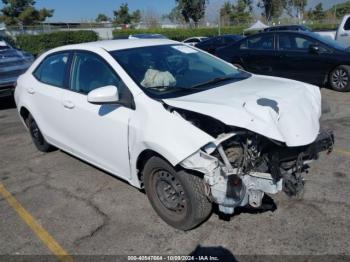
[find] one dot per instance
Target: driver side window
(90, 72)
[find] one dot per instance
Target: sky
(86, 10)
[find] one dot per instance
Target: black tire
(178, 197)
(37, 137)
(339, 78)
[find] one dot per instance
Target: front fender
(154, 128)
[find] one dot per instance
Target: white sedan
(189, 128)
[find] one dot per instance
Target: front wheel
(339, 78)
(178, 197)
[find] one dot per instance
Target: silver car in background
(13, 63)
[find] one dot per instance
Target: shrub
(321, 27)
(37, 44)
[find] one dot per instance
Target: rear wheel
(178, 197)
(339, 78)
(37, 137)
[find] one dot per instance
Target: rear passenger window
(285, 43)
(52, 70)
(262, 42)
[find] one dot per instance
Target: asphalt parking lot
(89, 212)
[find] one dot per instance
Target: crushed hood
(281, 109)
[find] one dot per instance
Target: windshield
(175, 70)
(329, 41)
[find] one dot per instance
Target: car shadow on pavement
(213, 254)
(7, 103)
(268, 205)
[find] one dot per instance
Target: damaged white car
(189, 128)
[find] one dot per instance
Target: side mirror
(314, 49)
(104, 95)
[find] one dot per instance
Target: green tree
(102, 18)
(340, 9)
(241, 12)
(175, 15)
(272, 9)
(317, 13)
(23, 12)
(136, 16)
(123, 17)
(192, 10)
(226, 13)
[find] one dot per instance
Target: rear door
(45, 97)
(258, 55)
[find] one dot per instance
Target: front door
(297, 61)
(97, 133)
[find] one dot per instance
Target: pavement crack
(93, 232)
(90, 203)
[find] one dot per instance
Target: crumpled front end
(240, 167)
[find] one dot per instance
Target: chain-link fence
(105, 30)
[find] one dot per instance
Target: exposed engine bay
(241, 166)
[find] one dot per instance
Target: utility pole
(219, 22)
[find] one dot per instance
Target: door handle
(344, 34)
(30, 90)
(68, 104)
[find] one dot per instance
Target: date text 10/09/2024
(173, 258)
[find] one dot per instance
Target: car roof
(149, 36)
(306, 33)
(119, 44)
(287, 28)
(196, 37)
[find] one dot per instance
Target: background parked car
(147, 36)
(194, 40)
(211, 44)
(13, 63)
(303, 56)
